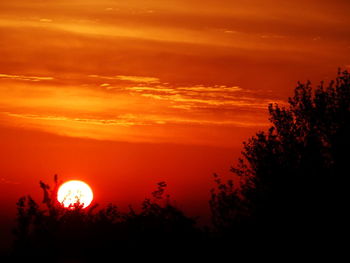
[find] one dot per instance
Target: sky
(123, 94)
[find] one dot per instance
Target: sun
(75, 192)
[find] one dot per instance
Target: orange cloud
(25, 78)
(132, 70)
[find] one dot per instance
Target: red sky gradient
(124, 94)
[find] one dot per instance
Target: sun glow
(73, 193)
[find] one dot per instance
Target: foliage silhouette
(291, 180)
(53, 230)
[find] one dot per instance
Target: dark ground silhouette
(288, 191)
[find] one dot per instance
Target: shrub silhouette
(53, 230)
(291, 180)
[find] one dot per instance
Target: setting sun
(74, 192)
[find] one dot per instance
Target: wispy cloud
(142, 89)
(25, 78)
(45, 20)
(199, 96)
(134, 79)
(123, 108)
(221, 88)
(128, 120)
(138, 79)
(141, 70)
(95, 121)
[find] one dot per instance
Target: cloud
(25, 78)
(135, 109)
(193, 102)
(183, 67)
(149, 89)
(221, 88)
(134, 79)
(128, 120)
(45, 20)
(95, 121)
(203, 97)
(138, 79)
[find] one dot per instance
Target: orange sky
(124, 94)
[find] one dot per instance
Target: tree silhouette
(291, 180)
